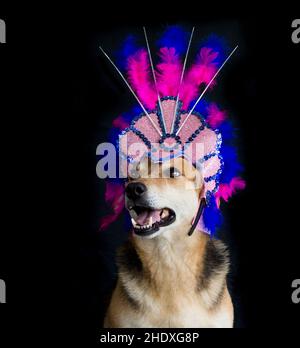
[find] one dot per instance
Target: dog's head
(162, 197)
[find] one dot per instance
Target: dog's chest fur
(162, 285)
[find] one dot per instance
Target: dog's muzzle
(145, 219)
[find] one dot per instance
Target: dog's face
(162, 197)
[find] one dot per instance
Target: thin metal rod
(131, 90)
(181, 79)
(154, 78)
(205, 89)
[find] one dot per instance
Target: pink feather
(120, 122)
(227, 190)
(215, 116)
(168, 72)
(199, 73)
(114, 196)
(140, 78)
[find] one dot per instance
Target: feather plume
(212, 216)
(232, 167)
(174, 36)
(114, 196)
(139, 76)
(120, 122)
(168, 72)
(215, 116)
(227, 190)
(201, 72)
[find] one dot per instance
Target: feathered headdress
(175, 122)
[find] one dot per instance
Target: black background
(58, 98)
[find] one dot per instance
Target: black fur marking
(218, 299)
(215, 258)
(129, 261)
(215, 262)
(125, 293)
(130, 267)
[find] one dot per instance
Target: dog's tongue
(144, 217)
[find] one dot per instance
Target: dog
(167, 278)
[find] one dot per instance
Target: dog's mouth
(146, 220)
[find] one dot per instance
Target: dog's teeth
(164, 213)
(133, 222)
(133, 214)
(150, 221)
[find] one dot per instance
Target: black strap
(197, 218)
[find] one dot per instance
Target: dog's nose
(135, 190)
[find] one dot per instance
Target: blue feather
(228, 131)
(218, 44)
(231, 167)
(174, 36)
(201, 107)
(212, 216)
(129, 48)
(128, 116)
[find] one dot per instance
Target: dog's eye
(174, 172)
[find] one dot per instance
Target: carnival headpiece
(176, 122)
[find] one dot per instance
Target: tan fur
(167, 292)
